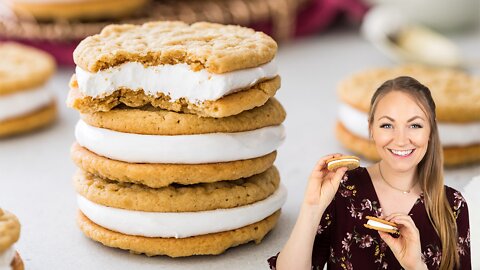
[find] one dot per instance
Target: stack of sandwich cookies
(9, 234)
(177, 160)
(26, 102)
(455, 93)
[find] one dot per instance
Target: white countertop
(36, 171)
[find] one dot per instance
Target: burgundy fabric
(342, 242)
(318, 15)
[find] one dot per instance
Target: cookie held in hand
(351, 162)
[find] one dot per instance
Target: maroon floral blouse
(342, 242)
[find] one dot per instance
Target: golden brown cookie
(228, 105)
(34, 120)
(154, 121)
(160, 175)
(456, 93)
(9, 230)
(23, 67)
(76, 10)
(214, 47)
(177, 198)
(209, 244)
(453, 156)
(351, 162)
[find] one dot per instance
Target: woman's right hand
(323, 184)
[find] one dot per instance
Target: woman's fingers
(337, 177)
(404, 220)
(388, 239)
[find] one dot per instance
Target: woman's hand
(323, 184)
(406, 248)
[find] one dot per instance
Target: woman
(406, 187)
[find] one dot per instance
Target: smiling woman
(405, 188)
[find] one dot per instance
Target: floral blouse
(342, 242)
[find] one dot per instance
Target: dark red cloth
(342, 242)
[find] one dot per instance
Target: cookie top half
(9, 230)
(214, 47)
(456, 93)
(23, 67)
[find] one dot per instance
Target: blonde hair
(430, 168)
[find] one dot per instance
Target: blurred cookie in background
(456, 94)
(59, 32)
(9, 235)
(26, 100)
(51, 10)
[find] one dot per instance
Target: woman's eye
(416, 126)
(386, 126)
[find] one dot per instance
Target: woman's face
(400, 130)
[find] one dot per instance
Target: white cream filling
(186, 149)
(177, 81)
(6, 258)
(451, 134)
(183, 224)
(343, 160)
(21, 103)
(380, 225)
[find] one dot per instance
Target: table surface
(36, 171)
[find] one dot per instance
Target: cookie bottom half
(26, 123)
(157, 175)
(229, 105)
(209, 244)
(453, 156)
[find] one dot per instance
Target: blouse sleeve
(321, 245)
(460, 210)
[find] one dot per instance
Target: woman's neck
(404, 180)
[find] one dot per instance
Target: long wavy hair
(430, 168)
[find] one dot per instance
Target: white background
(35, 170)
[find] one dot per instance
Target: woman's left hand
(406, 248)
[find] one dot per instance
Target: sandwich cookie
(207, 69)
(48, 10)
(378, 224)
(156, 148)
(9, 234)
(456, 96)
(350, 162)
(159, 221)
(26, 102)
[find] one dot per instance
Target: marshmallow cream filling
(343, 160)
(450, 134)
(177, 81)
(6, 258)
(21, 103)
(380, 225)
(183, 149)
(183, 224)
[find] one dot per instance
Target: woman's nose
(401, 136)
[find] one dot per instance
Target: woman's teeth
(401, 152)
